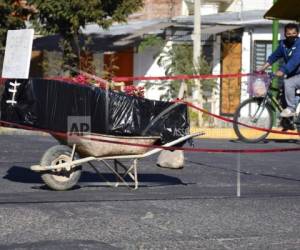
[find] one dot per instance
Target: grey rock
(171, 159)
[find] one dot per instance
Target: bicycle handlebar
(270, 75)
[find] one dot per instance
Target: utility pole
(197, 51)
(197, 32)
(275, 31)
(275, 66)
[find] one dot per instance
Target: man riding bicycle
(289, 50)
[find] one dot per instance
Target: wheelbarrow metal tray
(95, 144)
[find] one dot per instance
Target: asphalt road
(193, 208)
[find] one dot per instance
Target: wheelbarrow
(61, 165)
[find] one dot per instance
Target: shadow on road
(25, 175)
(244, 172)
(295, 141)
(61, 245)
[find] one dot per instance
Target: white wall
(145, 64)
(250, 5)
(184, 9)
(246, 62)
(217, 71)
(208, 9)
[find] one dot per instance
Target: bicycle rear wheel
(253, 113)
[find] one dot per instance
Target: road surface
(193, 208)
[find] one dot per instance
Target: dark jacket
(291, 58)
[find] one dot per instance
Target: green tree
(67, 17)
(178, 60)
(13, 15)
(151, 41)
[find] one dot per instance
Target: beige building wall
(158, 9)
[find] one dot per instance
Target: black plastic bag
(47, 104)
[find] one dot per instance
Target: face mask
(290, 40)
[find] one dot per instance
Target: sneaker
(287, 113)
(287, 124)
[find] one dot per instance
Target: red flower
(81, 79)
(84, 80)
(134, 90)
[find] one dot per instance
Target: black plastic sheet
(47, 104)
(1, 92)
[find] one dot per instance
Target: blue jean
(290, 86)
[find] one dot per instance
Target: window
(262, 50)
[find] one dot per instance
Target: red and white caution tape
(187, 149)
(206, 150)
(177, 77)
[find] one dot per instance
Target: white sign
(18, 54)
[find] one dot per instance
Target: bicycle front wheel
(255, 114)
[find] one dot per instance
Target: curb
(13, 131)
(209, 133)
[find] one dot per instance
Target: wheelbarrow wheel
(62, 179)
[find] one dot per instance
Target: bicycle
(257, 112)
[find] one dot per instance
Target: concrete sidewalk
(228, 133)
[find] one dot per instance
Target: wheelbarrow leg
(73, 152)
(117, 171)
(119, 176)
(132, 172)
